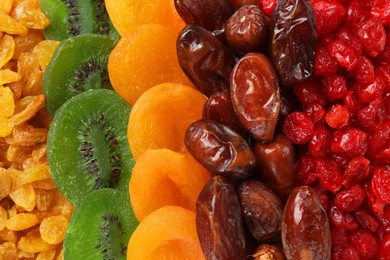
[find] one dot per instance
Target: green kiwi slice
(100, 227)
(69, 18)
(78, 64)
(87, 144)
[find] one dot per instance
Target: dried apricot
(142, 59)
(161, 116)
(128, 14)
(168, 233)
(162, 177)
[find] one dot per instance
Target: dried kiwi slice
(100, 227)
(78, 64)
(69, 18)
(87, 144)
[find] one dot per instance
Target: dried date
(218, 221)
(211, 15)
(255, 95)
(305, 226)
(275, 165)
(219, 149)
(268, 252)
(293, 40)
(204, 59)
(261, 209)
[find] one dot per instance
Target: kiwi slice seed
(78, 64)
(87, 144)
(100, 227)
(69, 18)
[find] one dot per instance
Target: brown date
(275, 165)
(293, 40)
(261, 209)
(211, 15)
(246, 30)
(237, 4)
(218, 221)
(268, 252)
(219, 107)
(204, 59)
(219, 149)
(305, 226)
(255, 95)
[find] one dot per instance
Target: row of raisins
(250, 201)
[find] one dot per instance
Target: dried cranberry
(310, 92)
(381, 184)
(317, 113)
(298, 127)
(342, 220)
(357, 170)
(347, 36)
(305, 170)
(268, 6)
(369, 92)
(350, 253)
(329, 173)
(372, 116)
(339, 236)
(324, 63)
(373, 36)
(343, 54)
(350, 199)
(337, 116)
(382, 72)
(352, 101)
(349, 142)
(335, 87)
(329, 15)
(365, 242)
(384, 250)
(366, 220)
(319, 145)
(364, 72)
(356, 13)
(379, 143)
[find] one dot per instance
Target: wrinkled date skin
(292, 41)
(219, 149)
(236, 4)
(255, 95)
(246, 30)
(218, 221)
(204, 59)
(261, 209)
(275, 165)
(219, 107)
(305, 226)
(211, 15)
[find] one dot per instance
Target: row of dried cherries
(296, 128)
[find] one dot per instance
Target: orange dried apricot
(142, 59)
(161, 116)
(167, 233)
(128, 14)
(162, 177)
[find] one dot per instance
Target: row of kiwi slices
(88, 152)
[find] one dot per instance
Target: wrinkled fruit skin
(218, 221)
(292, 41)
(305, 226)
(275, 165)
(204, 59)
(261, 209)
(219, 149)
(268, 252)
(255, 95)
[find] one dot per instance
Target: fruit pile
(192, 129)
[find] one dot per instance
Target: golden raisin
(53, 229)
(34, 19)
(33, 243)
(7, 104)
(10, 26)
(8, 250)
(7, 47)
(46, 255)
(8, 76)
(5, 6)
(22, 221)
(43, 52)
(24, 196)
(3, 218)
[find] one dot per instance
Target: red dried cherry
(373, 36)
(381, 184)
(350, 199)
(319, 145)
(365, 242)
(298, 127)
(349, 142)
(337, 116)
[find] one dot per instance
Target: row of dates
(250, 196)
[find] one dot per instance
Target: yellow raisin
(5, 6)
(44, 199)
(5, 129)
(43, 52)
(24, 196)
(24, 44)
(8, 235)
(18, 153)
(7, 47)
(5, 184)
(60, 255)
(33, 85)
(37, 102)
(26, 135)
(53, 229)
(46, 255)
(22, 221)
(24, 255)
(33, 243)
(8, 251)
(34, 19)
(3, 218)
(10, 26)
(8, 76)
(7, 105)
(44, 184)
